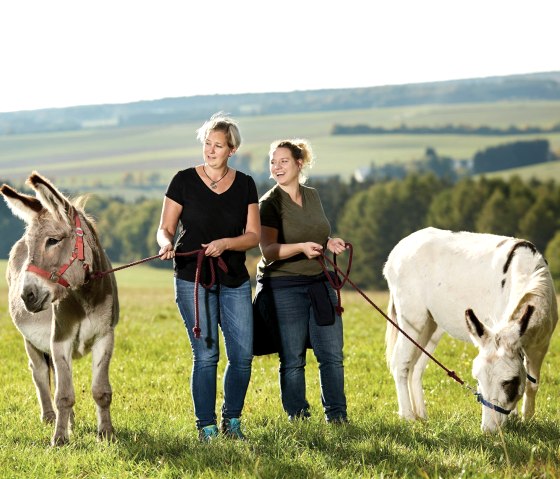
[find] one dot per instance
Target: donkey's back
(443, 273)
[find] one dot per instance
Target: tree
(109, 229)
(366, 223)
(552, 253)
(540, 222)
(458, 207)
(12, 229)
(334, 194)
(511, 155)
(497, 216)
(375, 220)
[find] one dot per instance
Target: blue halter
(496, 408)
(483, 401)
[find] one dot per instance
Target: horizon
(280, 92)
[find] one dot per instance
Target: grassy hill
(114, 160)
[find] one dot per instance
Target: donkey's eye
(52, 241)
(511, 388)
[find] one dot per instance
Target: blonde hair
(300, 149)
(221, 122)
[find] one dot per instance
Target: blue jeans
(231, 309)
(296, 324)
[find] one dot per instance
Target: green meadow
(153, 416)
(98, 160)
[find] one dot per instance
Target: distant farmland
(116, 160)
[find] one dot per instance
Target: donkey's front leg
(39, 365)
(64, 393)
(102, 352)
(533, 363)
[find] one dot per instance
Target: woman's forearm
(279, 251)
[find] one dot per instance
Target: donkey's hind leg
(102, 352)
(41, 365)
(428, 339)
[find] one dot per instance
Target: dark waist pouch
(323, 309)
(266, 337)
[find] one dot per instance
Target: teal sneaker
(208, 433)
(231, 427)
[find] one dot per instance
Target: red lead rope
(338, 284)
(199, 262)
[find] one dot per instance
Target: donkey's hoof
(58, 441)
(106, 435)
(409, 416)
(49, 417)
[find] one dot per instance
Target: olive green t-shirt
(295, 224)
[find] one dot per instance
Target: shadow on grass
(282, 449)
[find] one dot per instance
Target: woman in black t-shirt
(215, 208)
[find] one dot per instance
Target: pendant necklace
(214, 184)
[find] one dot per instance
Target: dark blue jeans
(296, 323)
(233, 308)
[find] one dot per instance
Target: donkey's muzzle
(34, 299)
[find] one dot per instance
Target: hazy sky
(56, 53)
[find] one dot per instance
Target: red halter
(78, 253)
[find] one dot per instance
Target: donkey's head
(499, 367)
(51, 237)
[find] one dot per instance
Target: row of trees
(449, 129)
(373, 216)
(494, 158)
(511, 155)
(374, 220)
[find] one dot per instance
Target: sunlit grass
(153, 416)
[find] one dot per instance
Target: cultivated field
(153, 415)
(98, 160)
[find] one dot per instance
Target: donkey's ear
(23, 206)
(50, 197)
(523, 321)
(477, 331)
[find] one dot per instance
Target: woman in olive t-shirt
(294, 233)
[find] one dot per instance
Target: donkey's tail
(391, 333)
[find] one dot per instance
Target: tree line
(375, 219)
(372, 215)
(403, 129)
(494, 158)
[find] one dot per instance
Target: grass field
(98, 159)
(153, 415)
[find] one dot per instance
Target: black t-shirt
(208, 216)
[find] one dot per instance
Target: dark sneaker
(231, 427)
(208, 433)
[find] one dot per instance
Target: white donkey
(59, 313)
(440, 281)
